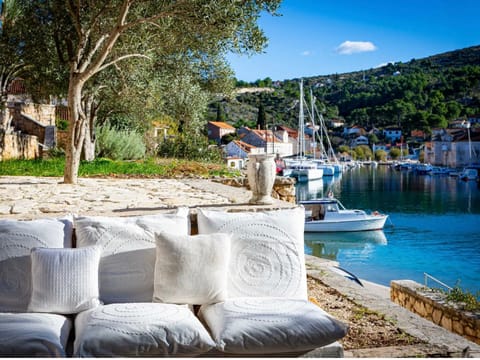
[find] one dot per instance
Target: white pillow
(28, 335)
(17, 238)
(267, 252)
(270, 325)
(191, 269)
(128, 251)
(140, 329)
(64, 281)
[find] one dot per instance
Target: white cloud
(306, 53)
(352, 47)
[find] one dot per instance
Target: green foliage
(381, 155)
(189, 147)
(119, 144)
(61, 124)
(261, 118)
(395, 153)
(344, 149)
(464, 298)
(106, 167)
(362, 152)
(426, 93)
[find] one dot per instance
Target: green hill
(422, 93)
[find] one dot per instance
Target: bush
(190, 148)
(119, 144)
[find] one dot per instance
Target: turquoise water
(433, 227)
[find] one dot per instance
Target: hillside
(422, 93)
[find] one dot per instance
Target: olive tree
(90, 37)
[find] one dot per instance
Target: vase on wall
(261, 177)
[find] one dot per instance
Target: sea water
(433, 227)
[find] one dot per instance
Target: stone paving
(36, 197)
(33, 197)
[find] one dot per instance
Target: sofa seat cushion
(270, 325)
(140, 329)
(267, 251)
(32, 334)
(127, 264)
(17, 239)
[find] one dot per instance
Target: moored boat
(329, 215)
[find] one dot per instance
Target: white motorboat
(469, 174)
(328, 215)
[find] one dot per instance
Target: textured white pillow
(267, 252)
(64, 281)
(128, 251)
(191, 269)
(140, 329)
(28, 335)
(17, 238)
(270, 325)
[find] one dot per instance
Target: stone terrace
(39, 197)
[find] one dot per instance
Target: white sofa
(142, 286)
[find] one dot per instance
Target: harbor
(432, 226)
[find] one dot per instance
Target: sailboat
(328, 162)
(301, 168)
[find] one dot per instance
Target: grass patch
(153, 167)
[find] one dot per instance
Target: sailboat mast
(301, 123)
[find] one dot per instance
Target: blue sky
(322, 37)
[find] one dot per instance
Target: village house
(359, 140)
(454, 148)
(335, 123)
(241, 149)
(218, 129)
(354, 130)
(392, 133)
(269, 141)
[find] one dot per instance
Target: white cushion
(64, 281)
(28, 335)
(191, 269)
(140, 329)
(17, 238)
(128, 257)
(270, 325)
(267, 252)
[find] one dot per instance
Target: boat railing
(428, 276)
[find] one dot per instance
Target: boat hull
(373, 222)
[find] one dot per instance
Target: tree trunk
(76, 132)
(90, 110)
(89, 143)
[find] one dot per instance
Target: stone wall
(432, 306)
(44, 114)
(18, 146)
(283, 188)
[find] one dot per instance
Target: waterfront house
(273, 142)
(241, 149)
(454, 148)
(218, 129)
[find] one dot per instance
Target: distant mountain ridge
(421, 93)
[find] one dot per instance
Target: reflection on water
(328, 245)
(435, 226)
